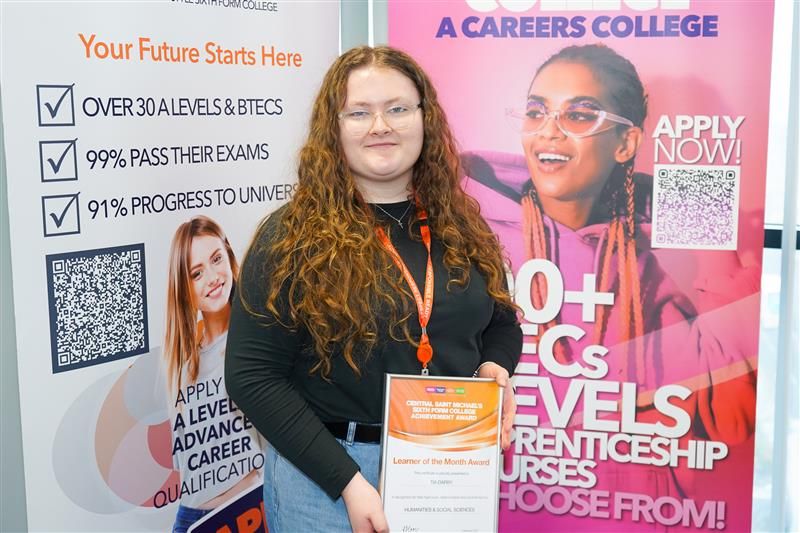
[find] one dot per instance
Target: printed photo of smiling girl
(573, 199)
(215, 449)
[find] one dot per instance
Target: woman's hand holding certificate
(500, 375)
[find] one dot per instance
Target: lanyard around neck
(424, 304)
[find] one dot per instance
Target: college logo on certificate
(441, 450)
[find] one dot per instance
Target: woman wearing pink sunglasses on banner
(574, 200)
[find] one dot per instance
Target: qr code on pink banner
(695, 206)
(98, 306)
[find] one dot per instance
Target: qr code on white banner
(695, 206)
(98, 306)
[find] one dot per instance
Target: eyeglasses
(578, 120)
(360, 121)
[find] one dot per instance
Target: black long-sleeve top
(267, 365)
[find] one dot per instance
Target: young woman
(214, 447)
(325, 309)
(584, 209)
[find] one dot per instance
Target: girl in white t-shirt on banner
(215, 449)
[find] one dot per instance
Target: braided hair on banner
(536, 248)
(622, 241)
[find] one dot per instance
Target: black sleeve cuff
(502, 340)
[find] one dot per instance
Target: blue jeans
(292, 502)
(186, 516)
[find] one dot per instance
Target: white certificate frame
(488, 486)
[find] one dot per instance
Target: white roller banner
(122, 121)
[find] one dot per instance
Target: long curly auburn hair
(328, 268)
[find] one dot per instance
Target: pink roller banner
(618, 148)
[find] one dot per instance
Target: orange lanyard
(424, 306)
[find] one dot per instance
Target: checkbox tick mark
(53, 109)
(56, 165)
(59, 219)
(55, 105)
(61, 215)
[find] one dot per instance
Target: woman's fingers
(364, 506)
(500, 375)
(494, 371)
(379, 523)
(509, 411)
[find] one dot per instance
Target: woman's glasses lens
(575, 120)
(579, 120)
(360, 121)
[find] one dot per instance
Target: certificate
(441, 453)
